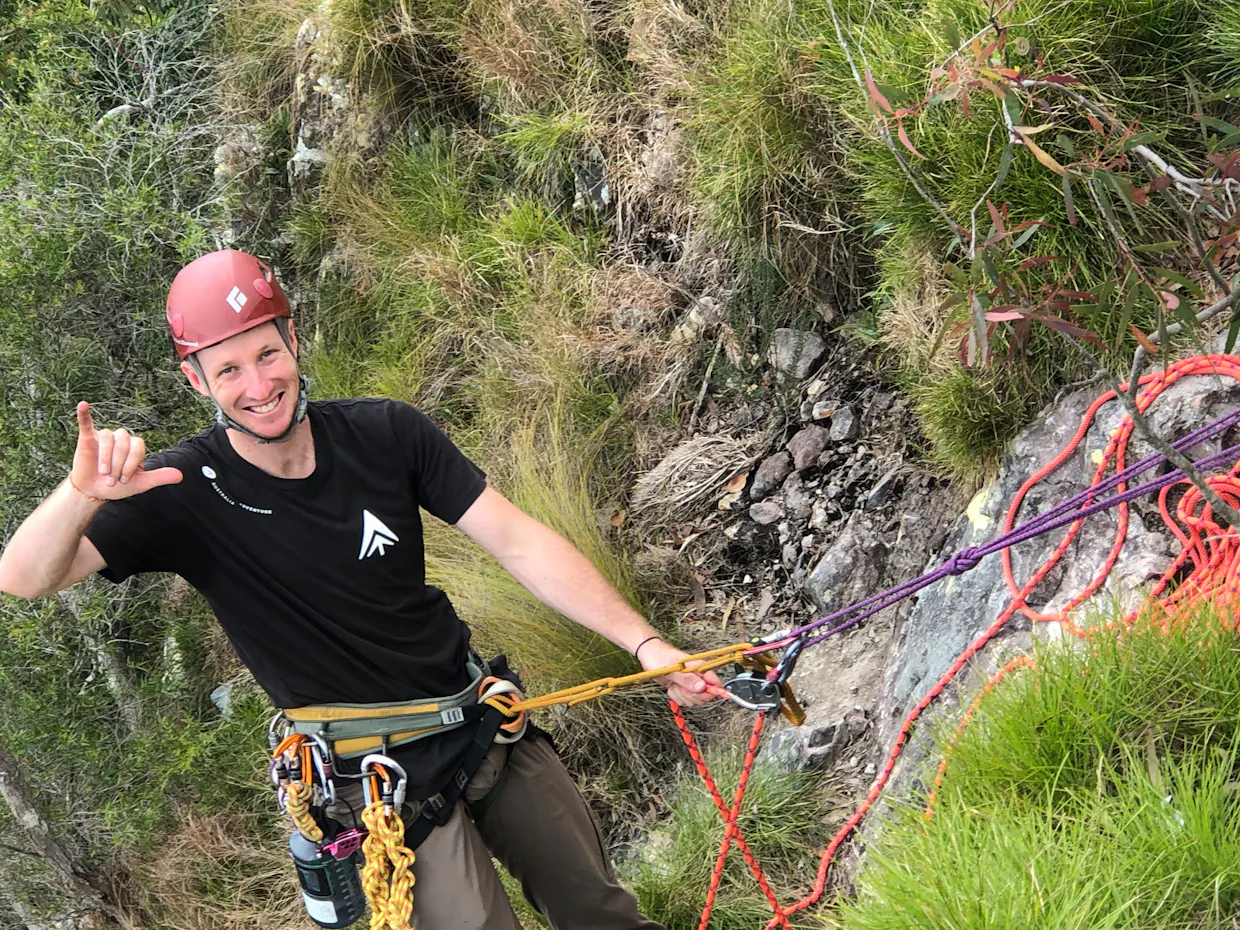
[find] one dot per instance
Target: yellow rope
(297, 803)
(387, 877)
(700, 662)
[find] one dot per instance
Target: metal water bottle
(330, 887)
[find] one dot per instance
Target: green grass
(1138, 55)
(762, 152)
(782, 820)
(970, 415)
(1095, 792)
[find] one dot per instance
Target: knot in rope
(387, 877)
(297, 803)
(964, 560)
(504, 696)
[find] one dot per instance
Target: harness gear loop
(387, 877)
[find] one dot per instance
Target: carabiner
(321, 753)
(788, 661)
(393, 798)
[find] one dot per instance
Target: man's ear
(292, 338)
(194, 381)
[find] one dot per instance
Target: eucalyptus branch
(885, 134)
(1225, 303)
(1161, 445)
(1190, 185)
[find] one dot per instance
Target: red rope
(1210, 552)
(731, 832)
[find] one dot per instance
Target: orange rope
(1212, 551)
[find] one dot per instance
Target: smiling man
(300, 523)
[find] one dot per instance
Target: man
(300, 525)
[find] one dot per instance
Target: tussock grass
(1095, 792)
(782, 819)
(257, 41)
(222, 872)
(969, 415)
(763, 151)
(1138, 55)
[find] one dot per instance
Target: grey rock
(786, 750)
(795, 353)
(849, 570)
(790, 554)
(798, 500)
(844, 425)
(807, 445)
(770, 475)
(632, 319)
(764, 513)
(822, 409)
(882, 491)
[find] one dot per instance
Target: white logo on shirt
(236, 299)
(375, 535)
(209, 473)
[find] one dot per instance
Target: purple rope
(1078, 507)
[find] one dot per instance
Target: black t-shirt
(319, 582)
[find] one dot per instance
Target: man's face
(253, 377)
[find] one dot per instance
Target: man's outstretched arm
(556, 572)
(49, 551)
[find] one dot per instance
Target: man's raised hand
(108, 463)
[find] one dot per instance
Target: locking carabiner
(375, 768)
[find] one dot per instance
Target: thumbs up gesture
(108, 463)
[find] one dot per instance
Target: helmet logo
(236, 298)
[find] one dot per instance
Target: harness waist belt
(356, 729)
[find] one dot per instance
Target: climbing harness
(306, 743)
(1208, 568)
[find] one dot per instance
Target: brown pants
(537, 824)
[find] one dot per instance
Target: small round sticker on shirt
(208, 472)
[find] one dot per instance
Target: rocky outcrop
(886, 665)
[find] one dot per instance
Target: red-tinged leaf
(903, 112)
(1038, 153)
(1160, 183)
(989, 49)
(1034, 262)
(952, 72)
(976, 45)
(992, 87)
(1139, 196)
(1064, 326)
(1095, 124)
(1144, 340)
(964, 102)
(1060, 79)
(900, 131)
(964, 352)
(1010, 73)
(1020, 334)
(1005, 316)
(875, 94)
(997, 219)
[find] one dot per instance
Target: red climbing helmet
(219, 295)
